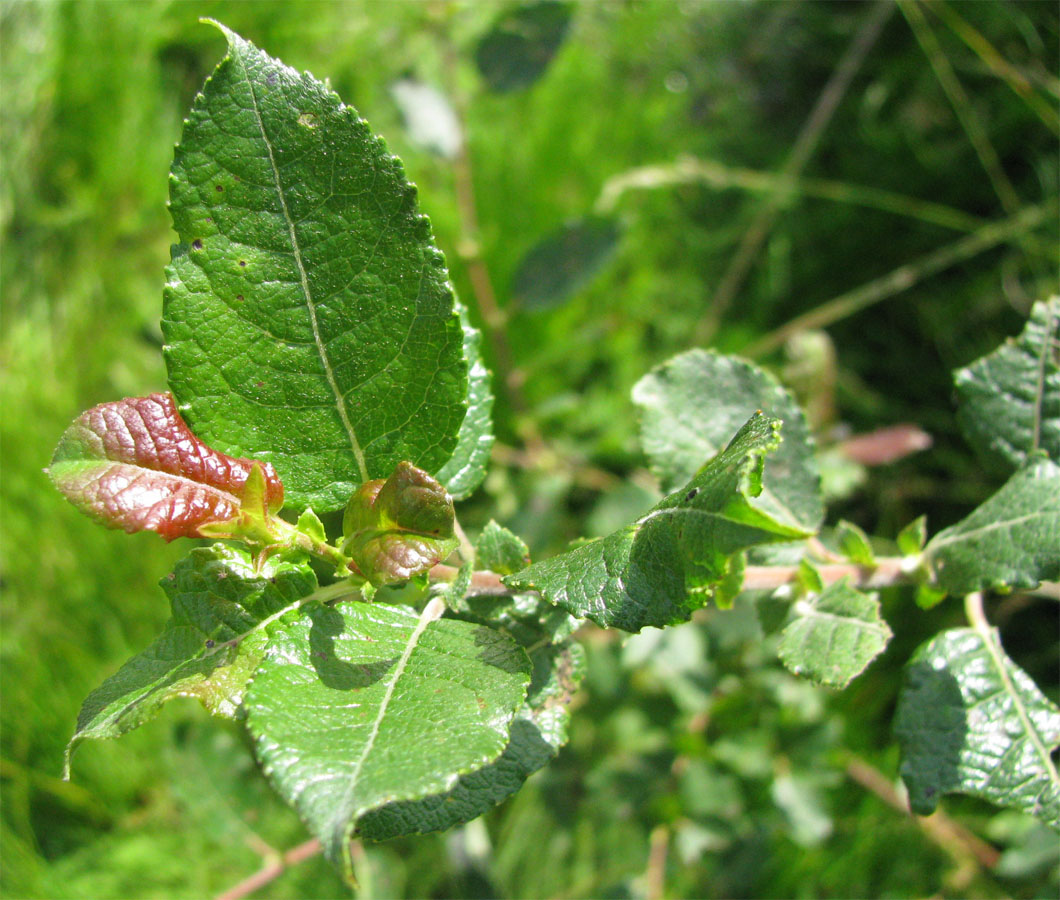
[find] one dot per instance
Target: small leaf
(854, 544)
(308, 316)
(971, 721)
(360, 705)
(134, 464)
(1012, 540)
(467, 466)
(664, 566)
(809, 577)
(309, 523)
(397, 528)
(1010, 399)
(209, 648)
(834, 635)
(564, 262)
(500, 551)
(521, 44)
(912, 538)
(690, 406)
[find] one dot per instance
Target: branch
(272, 870)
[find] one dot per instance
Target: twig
(272, 870)
(1006, 193)
(955, 839)
(655, 875)
(800, 154)
(997, 64)
(902, 278)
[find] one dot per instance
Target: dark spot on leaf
(209, 220)
(691, 494)
(172, 576)
(270, 79)
(243, 262)
(239, 297)
(196, 244)
(209, 644)
(260, 384)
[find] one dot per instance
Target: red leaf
(134, 464)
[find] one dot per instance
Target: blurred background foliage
(618, 155)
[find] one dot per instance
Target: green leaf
(690, 406)
(467, 466)
(1012, 540)
(521, 44)
(398, 528)
(500, 551)
(1010, 399)
(538, 731)
(209, 648)
(308, 317)
(564, 262)
(854, 544)
(971, 721)
(834, 635)
(134, 464)
(360, 705)
(660, 569)
(912, 538)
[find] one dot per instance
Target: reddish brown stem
(272, 870)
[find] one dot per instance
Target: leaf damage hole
(196, 244)
(219, 188)
(243, 263)
(307, 120)
(692, 494)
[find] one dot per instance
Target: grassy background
(697, 766)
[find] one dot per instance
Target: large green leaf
(564, 262)
(308, 317)
(971, 721)
(834, 635)
(1010, 400)
(692, 404)
(661, 568)
(467, 466)
(1012, 540)
(360, 705)
(538, 731)
(208, 649)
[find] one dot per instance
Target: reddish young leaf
(134, 464)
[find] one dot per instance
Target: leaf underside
(971, 721)
(134, 464)
(308, 317)
(359, 705)
(660, 569)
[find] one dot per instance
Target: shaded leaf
(538, 731)
(134, 464)
(520, 45)
(500, 551)
(360, 705)
(971, 721)
(834, 635)
(1010, 399)
(1011, 540)
(467, 466)
(564, 262)
(689, 407)
(308, 316)
(664, 566)
(209, 648)
(400, 527)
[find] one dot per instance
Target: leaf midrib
(318, 340)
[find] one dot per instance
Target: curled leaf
(134, 464)
(400, 527)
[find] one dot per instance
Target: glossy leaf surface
(308, 316)
(209, 648)
(661, 568)
(134, 464)
(971, 721)
(834, 635)
(360, 705)
(1010, 399)
(1012, 540)
(400, 527)
(692, 404)
(501, 551)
